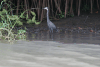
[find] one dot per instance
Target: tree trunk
(66, 7)
(71, 8)
(17, 6)
(76, 5)
(97, 4)
(42, 16)
(79, 7)
(91, 5)
(58, 6)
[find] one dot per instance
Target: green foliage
(61, 15)
(29, 21)
(8, 22)
(21, 34)
(72, 15)
(85, 8)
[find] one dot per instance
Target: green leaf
(22, 15)
(4, 0)
(4, 11)
(0, 7)
(21, 31)
(37, 23)
(1, 2)
(2, 16)
(29, 21)
(33, 19)
(33, 13)
(63, 16)
(0, 24)
(26, 16)
(19, 22)
(14, 17)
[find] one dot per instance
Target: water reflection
(67, 36)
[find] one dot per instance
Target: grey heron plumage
(49, 23)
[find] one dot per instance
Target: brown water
(49, 54)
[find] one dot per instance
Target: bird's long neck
(47, 15)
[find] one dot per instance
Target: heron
(51, 25)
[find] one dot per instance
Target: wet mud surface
(82, 29)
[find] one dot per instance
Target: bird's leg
(51, 30)
(52, 34)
